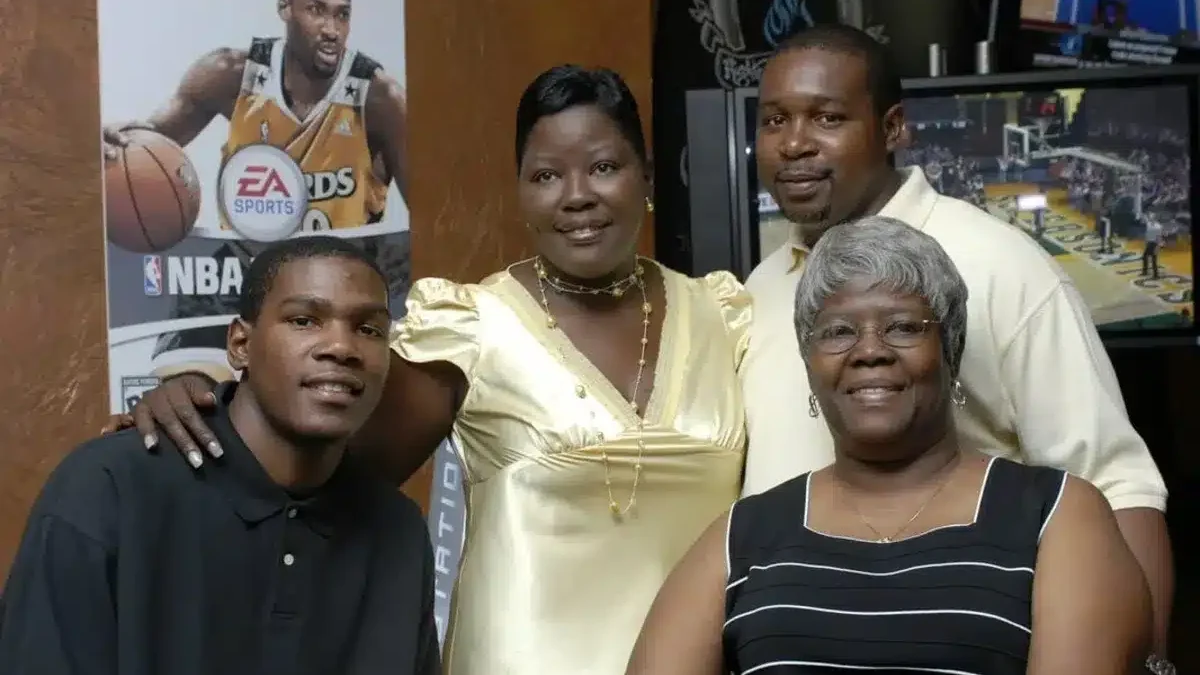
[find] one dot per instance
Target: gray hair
(883, 252)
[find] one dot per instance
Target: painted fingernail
(215, 449)
(195, 459)
(150, 440)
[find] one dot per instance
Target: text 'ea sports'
(262, 190)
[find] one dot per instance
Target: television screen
(1100, 177)
(1104, 32)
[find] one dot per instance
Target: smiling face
(583, 192)
(317, 353)
(880, 400)
(822, 146)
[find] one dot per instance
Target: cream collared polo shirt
(1039, 385)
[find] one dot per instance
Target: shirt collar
(913, 203)
(256, 497)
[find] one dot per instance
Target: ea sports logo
(262, 193)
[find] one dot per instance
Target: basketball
(151, 192)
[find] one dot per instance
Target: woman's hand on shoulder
(173, 407)
(1091, 605)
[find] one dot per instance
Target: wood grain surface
(53, 377)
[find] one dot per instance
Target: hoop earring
(813, 410)
(957, 396)
(649, 205)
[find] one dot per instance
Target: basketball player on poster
(331, 108)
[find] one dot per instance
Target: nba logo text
(204, 275)
(191, 275)
(262, 193)
(152, 275)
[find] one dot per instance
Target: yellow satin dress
(551, 582)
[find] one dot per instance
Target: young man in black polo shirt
(282, 557)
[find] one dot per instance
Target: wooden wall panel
(468, 61)
(53, 367)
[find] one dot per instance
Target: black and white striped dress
(956, 600)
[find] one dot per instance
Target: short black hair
(883, 80)
(568, 86)
(260, 277)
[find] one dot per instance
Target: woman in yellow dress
(592, 394)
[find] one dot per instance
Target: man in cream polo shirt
(1039, 387)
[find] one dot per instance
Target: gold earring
(649, 205)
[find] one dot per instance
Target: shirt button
(291, 513)
(288, 559)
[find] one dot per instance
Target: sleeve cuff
(1135, 500)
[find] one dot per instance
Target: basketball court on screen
(1111, 284)
(1058, 163)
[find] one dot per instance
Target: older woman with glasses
(910, 552)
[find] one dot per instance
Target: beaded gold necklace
(615, 289)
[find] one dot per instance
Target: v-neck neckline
(560, 345)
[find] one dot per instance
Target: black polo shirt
(134, 564)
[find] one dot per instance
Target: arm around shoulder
(435, 351)
(682, 634)
(1091, 604)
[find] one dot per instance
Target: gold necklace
(887, 539)
(616, 289)
(543, 279)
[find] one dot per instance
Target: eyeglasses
(839, 337)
